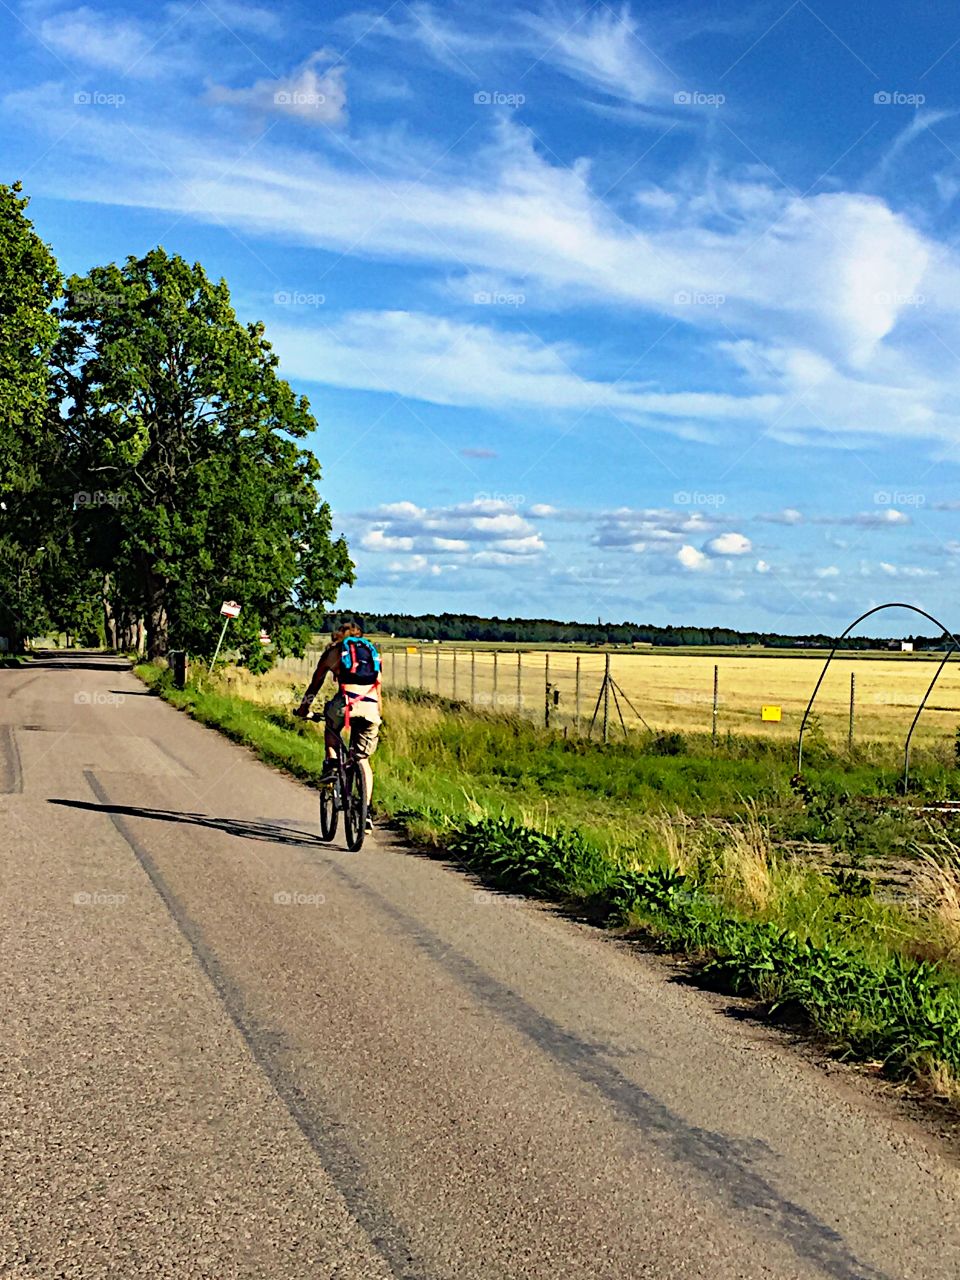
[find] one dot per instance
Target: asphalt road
(229, 1050)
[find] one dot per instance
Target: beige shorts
(364, 733)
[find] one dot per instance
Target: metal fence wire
(624, 693)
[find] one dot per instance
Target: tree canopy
(30, 283)
(152, 458)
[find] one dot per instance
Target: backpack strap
(351, 699)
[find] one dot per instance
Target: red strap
(350, 698)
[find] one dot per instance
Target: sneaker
(369, 824)
(329, 773)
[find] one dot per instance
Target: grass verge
(684, 846)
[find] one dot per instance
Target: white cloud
(886, 518)
(691, 558)
(603, 50)
(377, 540)
(761, 567)
(312, 95)
(905, 571)
(817, 289)
(97, 39)
(415, 565)
(729, 544)
(788, 516)
(482, 531)
(449, 362)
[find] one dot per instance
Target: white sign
(230, 609)
(264, 638)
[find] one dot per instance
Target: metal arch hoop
(894, 604)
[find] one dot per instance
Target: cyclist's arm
(326, 666)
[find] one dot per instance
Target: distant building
(906, 646)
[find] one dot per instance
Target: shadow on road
(245, 828)
(76, 660)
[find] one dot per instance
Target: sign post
(229, 609)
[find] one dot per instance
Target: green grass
(695, 848)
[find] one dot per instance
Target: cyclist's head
(348, 627)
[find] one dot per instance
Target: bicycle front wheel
(328, 813)
(355, 808)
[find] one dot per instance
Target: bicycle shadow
(243, 828)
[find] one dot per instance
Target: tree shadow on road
(244, 828)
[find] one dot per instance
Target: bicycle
(345, 791)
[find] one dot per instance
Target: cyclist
(354, 663)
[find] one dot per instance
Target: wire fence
(610, 695)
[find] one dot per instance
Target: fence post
(454, 675)
(519, 681)
(606, 700)
(437, 668)
(853, 699)
(546, 690)
(406, 667)
(494, 696)
(716, 699)
(421, 664)
(473, 677)
(577, 699)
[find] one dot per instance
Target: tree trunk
(110, 638)
(156, 619)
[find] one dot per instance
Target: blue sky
(626, 312)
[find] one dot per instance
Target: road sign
(771, 713)
(264, 638)
(230, 609)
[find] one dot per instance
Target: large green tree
(195, 487)
(30, 283)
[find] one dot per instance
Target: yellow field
(674, 690)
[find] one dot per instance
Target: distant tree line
(464, 626)
(150, 464)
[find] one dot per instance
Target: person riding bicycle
(354, 663)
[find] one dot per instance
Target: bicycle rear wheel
(355, 808)
(329, 812)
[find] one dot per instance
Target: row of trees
(463, 626)
(149, 460)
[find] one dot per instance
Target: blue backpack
(359, 661)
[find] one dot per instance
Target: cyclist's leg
(333, 718)
(363, 739)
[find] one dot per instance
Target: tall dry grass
(937, 885)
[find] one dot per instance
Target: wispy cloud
(314, 93)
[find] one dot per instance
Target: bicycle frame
(341, 784)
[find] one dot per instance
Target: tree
(195, 489)
(30, 283)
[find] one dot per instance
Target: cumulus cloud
(648, 529)
(730, 544)
(484, 531)
(692, 559)
(788, 516)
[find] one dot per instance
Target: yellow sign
(412, 648)
(771, 713)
